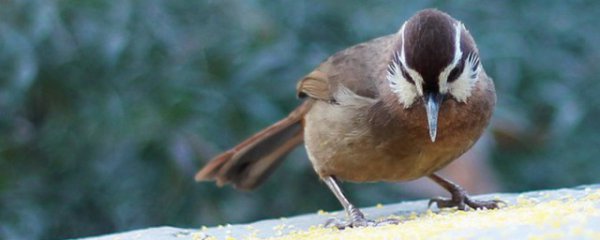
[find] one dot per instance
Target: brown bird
(395, 108)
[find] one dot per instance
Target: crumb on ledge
(567, 215)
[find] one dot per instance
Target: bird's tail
(249, 163)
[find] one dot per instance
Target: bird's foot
(355, 223)
(460, 199)
(357, 219)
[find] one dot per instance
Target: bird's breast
(370, 143)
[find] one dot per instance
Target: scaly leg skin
(460, 198)
(355, 217)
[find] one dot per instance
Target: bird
(395, 108)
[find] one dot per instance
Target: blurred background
(107, 108)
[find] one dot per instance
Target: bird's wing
(360, 69)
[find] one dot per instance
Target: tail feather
(249, 163)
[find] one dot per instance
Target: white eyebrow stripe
(416, 77)
(443, 77)
(406, 92)
(458, 26)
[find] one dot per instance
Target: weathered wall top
(558, 214)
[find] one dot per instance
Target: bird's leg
(355, 217)
(460, 198)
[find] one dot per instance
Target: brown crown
(429, 44)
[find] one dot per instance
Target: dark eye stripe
(475, 65)
(392, 70)
(473, 62)
(453, 75)
(406, 75)
(456, 72)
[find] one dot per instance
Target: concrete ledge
(572, 213)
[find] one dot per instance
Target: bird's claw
(357, 219)
(357, 223)
(461, 200)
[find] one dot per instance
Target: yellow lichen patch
(563, 218)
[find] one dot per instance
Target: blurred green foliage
(107, 108)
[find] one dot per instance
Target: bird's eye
(453, 74)
(456, 71)
(406, 75)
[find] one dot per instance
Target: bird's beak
(432, 107)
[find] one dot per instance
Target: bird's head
(435, 59)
